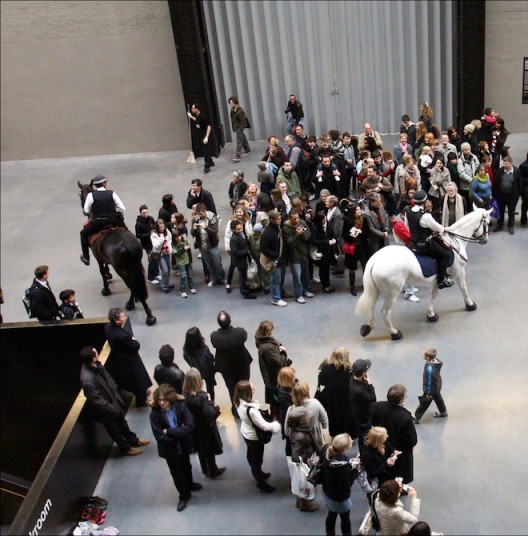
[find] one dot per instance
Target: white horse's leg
(460, 278)
(431, 315)
(390, 298)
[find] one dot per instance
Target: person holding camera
(393, 517)
(378, 457)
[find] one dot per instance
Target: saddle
(95, 237)
(428, 263)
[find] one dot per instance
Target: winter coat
(271, 359)
(178, 440)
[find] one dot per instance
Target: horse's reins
(472, 239)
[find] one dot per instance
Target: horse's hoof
(106, 292)
(130, 306)
(365, 330)
(151, 320)
(397, 336)
(433, 318)
(108, 276)
(471, 307)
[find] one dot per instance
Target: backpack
(26, 300)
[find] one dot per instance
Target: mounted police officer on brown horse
(112, 243)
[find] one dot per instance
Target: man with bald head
(369, 132)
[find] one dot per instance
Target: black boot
(352, 282)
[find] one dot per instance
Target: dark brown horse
(121, 249)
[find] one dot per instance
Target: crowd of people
(319, 206)
(318, 431)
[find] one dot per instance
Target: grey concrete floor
(469, 468)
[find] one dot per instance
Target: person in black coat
(125, 364)
(232, 358)
(207, 440)
(362, 395)
(197, 354)
(172, 425)
(144, 226)
(168, 371)
(334, 374)
(168, 207)
(506, 189)
(44, 305)
(398, 422)
(239, 257)
(198, 195)
(378, 457)
(107, 405)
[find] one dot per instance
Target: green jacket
(292, 181)
(297, 246)
(181, 254)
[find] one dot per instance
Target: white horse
(389, 268)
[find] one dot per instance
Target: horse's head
(481, 232)
(85, 190)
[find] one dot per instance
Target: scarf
(459, 209)
(482, 178)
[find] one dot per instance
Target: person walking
(432, 385)
(201, 135)
(239, 122)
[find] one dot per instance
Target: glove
(205, 140)
(189, 115)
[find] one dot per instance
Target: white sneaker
(183, 294)
(316, 280)
(279, 303)
(210, 284)
(300, 299)
(308, 294)
(412, 298)
(192, 291)
(158, 277)
(154, 282)
(199, 255)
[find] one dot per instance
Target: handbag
(366, 524)
(266, 263)
(315, 476)
(154, 256)
(315, 254)
(252, 269)
(263, 436)
(349, 249)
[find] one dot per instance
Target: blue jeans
(275, 284)
(165, 267)
(213, 261)
(241, 142)
(186, 277)
(292, 123)
(301, 277)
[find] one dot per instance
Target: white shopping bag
(299, 485)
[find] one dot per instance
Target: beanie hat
(470, 128)
(258, 228)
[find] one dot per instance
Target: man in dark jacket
(44, 306)
(168, 371)
(523, 168)
(506, 189)
(107, 405)
(144, 226)
(232, 358)
(432, 384)
(398, 422)
(362, 396)
(239, 122)
(296, 114)
(237, 188)
(125, 364)
(198, 195)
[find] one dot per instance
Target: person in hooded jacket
(432, 385)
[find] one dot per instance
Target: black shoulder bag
(263, 436)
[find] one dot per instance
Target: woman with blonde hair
(378, 457)
(286, 380)
(207, 441)
(334, 374)
(337, 483)
(426, 114)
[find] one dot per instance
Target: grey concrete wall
(89, 78)
(506, 46)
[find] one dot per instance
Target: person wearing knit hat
(469, 128)
(471, 137)
(422, 226)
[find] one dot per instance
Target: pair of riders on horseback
(105, 209)
(425, 231)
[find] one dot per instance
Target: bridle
(474, 239)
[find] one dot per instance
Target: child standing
(69, 309)
(180, 249)
(432, 384)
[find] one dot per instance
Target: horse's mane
(472, 219)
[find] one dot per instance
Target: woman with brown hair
(426, 114)
(393, 517)
(353, 228)
(250, 418)
(161, 239)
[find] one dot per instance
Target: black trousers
(330, 523)
(441, 255)
(507, 201)
(231, 378)
(118, 430)
(255, 457)
(181, 470)
(425, 402)
(524, 205)
(94, 226)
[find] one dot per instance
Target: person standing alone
(239, 122)
(201, 135)
(432, 384)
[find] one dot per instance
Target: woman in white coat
(393, 517)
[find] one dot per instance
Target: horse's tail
(368, 299)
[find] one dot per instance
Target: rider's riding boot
(85, 260)
(446, 283)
